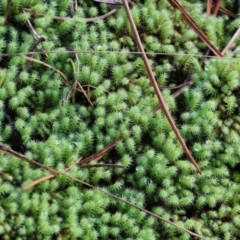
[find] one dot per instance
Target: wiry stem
(55, 172)
(156, 88)
(9, 3)
(80, 19)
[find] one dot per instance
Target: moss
(113, 98)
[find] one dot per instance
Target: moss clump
(117, 101)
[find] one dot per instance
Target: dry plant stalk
(209, 6)
(156, 88)
(62, 75)
(9, 2)
(216, 8)
(233, 39)
(68, 18)
(55, 172)
(196, 28)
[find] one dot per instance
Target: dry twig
(196, 28)
(69, 18)
(156, 88)
(55, 172)
(233, 39)
(9, 3)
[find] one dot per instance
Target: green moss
(156, 175)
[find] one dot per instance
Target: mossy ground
(118, 101)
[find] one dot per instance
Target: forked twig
(55, 172)
(84, 92)
(156, 88)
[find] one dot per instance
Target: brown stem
(23, 157)
(233, 39)
(195, 27)
(7, 9)
(216, 8)
(28, 64)
(184, 84)
(55, 172)
(156, 88)
(68, 18)
(209, 6)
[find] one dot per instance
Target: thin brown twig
(233, 39)
(63, 76)
(72, 10)
(42, 179)
(184, 84)
(100, 154)
(78, 83)
(35, 35)
(195, 27)
(38, 181)
(74, 85)
(9, 3)
(84, 92)
(55, 172)
(23, 157)
(32, 30)
(209, 6)
(69, 18)
(107, 52)
(103, 165)
(88, 88)
(49, 66)
(73, 7)
(227, 12)
(156, 88)
(177, 93)
(216, 7)
(28, 63)
(91, 86)
(75, 4)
